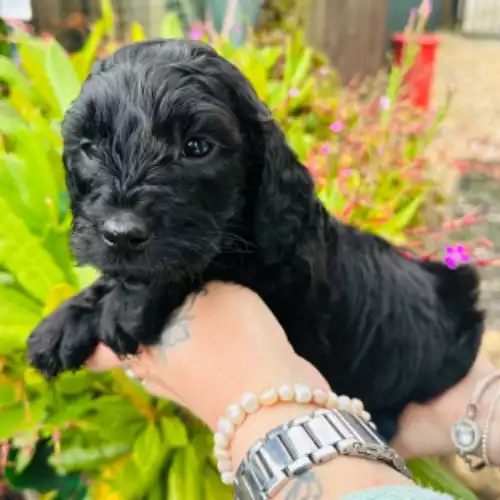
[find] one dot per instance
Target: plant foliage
(369, 163)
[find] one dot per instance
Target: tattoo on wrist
(305, 487)
(177, 330)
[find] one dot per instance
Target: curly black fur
(379, 326)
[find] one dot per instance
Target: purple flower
(195, 34)
(336, 127)
(293, 92)
(325, 149)
(455, 255)
(237, 27)
(385, 102)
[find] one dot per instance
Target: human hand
(221, 344)
(425, 430)
(226, 342)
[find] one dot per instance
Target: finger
(103, 359)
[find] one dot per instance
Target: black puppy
(178, 175)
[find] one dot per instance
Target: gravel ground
(472, 133)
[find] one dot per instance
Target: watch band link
(295, 447)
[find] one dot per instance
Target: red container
(419, 78)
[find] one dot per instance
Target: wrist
(259, 423)
(479, 411)
(336, 477)
(488, 418)
(425, 429)
(294, 369)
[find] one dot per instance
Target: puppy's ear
(286, 202)
(285, 205)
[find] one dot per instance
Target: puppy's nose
(125, 230)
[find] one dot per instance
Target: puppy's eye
(197, 148)
(88, 148)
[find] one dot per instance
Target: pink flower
(427, 8)
(343, 173)
(325, 149)
(385, 102)
(324, 70)
(293, 92)
(237, 27)
(195, 34)
(336, 127)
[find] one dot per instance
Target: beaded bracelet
(250, 402)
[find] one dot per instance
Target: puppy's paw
(64, 340)
(120, 324)
(43, 346)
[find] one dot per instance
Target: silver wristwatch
(293, 448)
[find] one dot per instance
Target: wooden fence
(352, 33)
(50, 14)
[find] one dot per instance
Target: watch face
(466, 435)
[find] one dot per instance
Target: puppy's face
(155, 162)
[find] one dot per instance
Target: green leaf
(213, 487)
(11, 123)
(7, 394)
(69, 383)
(85, 276)
(403, 218)
(9, 72)
(19, 315)
(137, 33)
(156, 492)
(32, 52)
(27, 183)
(76, 458)
(56, 241)
(202, 442)
(302, 69)
(25, 258)
(51, 70)
(10, 190)
(174, 432)
(126, 422)
(184, 477)
(108, 18)
(23, 459)
(62, 76)
(148, 453)
(171, 27)
(70, 410)
(11, 417)
(430, 474)
(85, 58)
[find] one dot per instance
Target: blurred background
(394, 106)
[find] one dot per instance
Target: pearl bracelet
(249, 403)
